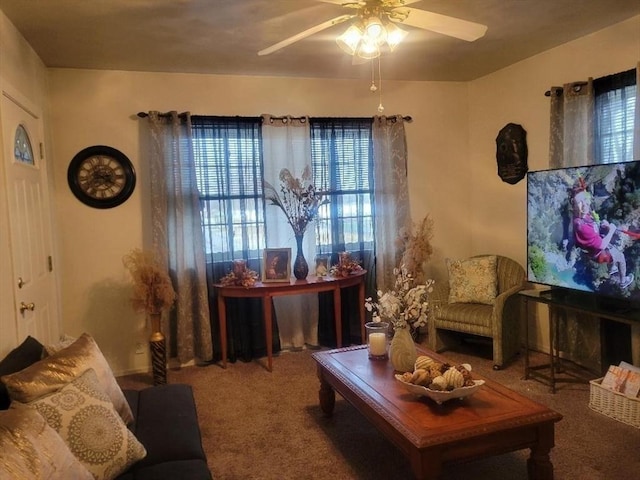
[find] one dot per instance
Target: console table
(267, 291)
(568, 302)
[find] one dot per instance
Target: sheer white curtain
(177, 234)
(391, 194)
(287, 144)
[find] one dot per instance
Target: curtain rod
(166, 114)
(575, 86)
(406, 118)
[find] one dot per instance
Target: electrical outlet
(139, 348)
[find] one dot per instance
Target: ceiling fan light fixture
(395, 35)
(374, 19)
(374, 30)
(350, 39)
(366, 38)
(368, 50)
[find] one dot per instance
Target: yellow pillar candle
(377, 344)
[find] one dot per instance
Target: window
(229, 169)
(342, 161)
(228, 159)
(22, 146)
(615, 97)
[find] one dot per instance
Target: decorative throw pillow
(27, 353)
(54, 372)
(473, 280)
(84, 417)
(64, 342)
(30, 448)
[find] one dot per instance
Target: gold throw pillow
(57, 370)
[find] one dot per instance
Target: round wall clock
(101, 177)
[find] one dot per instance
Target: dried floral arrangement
(152, 288)
(415, 245)
(407, 304)
(298, 199)
(346, 266)
(240, 275)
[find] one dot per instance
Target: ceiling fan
(375, 26)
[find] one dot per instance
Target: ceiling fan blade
(453, 27)
(343, 2)
(299, 36)
(400, 3)
(390, 3)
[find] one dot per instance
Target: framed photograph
(276, 265)
(322, 266)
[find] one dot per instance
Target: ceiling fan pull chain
(373, 87)
(380, 106)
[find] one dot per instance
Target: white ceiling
(224, 36)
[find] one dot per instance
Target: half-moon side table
(267, 291)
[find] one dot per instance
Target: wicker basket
(614, 404)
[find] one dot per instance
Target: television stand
(555, 372)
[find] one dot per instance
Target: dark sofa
(166, 423)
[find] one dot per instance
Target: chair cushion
(467, 317)
(473, 280)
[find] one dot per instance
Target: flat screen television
(583, 230)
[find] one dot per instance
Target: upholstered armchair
(478, 298)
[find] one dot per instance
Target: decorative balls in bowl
(439, 381)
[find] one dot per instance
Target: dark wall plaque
(511, 153)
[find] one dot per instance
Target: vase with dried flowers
(153, 293)
(300, 202)
(406, 306)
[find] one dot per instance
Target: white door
(34, 283)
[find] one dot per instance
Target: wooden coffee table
(493, 421)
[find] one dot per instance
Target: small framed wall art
(276, 265)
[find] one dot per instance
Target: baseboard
(173, 363)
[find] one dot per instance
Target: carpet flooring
(267, 426)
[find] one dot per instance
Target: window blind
(615, 98)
